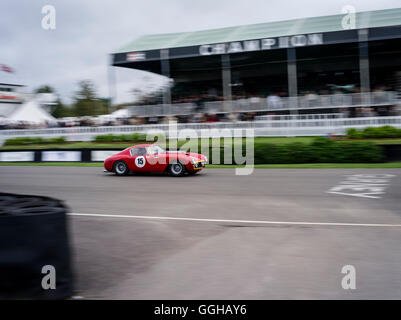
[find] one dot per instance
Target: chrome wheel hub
(120, 168)
(176, 168)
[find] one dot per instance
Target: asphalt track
(275, 234)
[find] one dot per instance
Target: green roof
(367, 19)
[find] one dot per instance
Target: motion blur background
(148, 63)
(319, 83)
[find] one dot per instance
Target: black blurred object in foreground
(33, 234)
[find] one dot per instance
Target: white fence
(266, 128)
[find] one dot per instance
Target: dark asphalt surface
(131, 258)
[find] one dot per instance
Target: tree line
(85, 102)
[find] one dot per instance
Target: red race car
(153, 158)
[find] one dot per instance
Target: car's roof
(141, 145)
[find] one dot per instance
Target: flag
(5, 68)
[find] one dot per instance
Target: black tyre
(176, 169)
(120, 168)
(34, 235)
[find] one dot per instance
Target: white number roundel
(140, 161)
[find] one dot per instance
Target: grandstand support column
(112, 85)
(292, 80)
(226, 77)
(165, 68)
(364, 65)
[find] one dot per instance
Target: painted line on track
(363, 185)
(261, 222)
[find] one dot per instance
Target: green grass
(280, 140)
(72, 145)
(384, 165)
(382, 141)
(123, 145)
(388, 165)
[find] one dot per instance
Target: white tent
(31, 111)
(121, 113)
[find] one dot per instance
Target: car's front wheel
(176, 169)
(121, 168)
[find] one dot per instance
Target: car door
(154, 160)
(138, 159)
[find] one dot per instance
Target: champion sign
(262, 44)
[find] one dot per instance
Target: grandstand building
(311, 65)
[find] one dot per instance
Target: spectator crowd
(211, 108)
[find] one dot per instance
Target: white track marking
(362, 195)
(363, 185)
(263, 222)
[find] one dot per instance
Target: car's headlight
(193, 160)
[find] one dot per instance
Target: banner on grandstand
(261, 44)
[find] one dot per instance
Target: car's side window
(139, 151)
(155, 150)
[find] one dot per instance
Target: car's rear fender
(110, 162)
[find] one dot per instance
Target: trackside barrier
(392, 152)
(57, 155)
(35, 259)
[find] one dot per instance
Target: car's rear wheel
(121, 168)
(176, 169)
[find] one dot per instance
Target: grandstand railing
(263, 128)
(308, 102)
(317, 116)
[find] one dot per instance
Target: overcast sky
(87, 31)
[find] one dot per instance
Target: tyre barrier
(392, 152)
(57, 155)
(35, 259)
